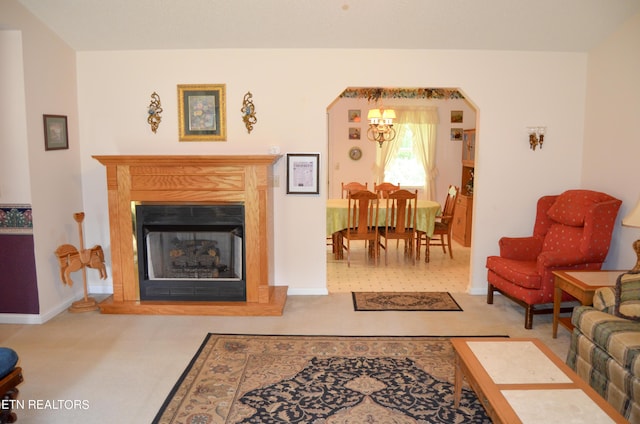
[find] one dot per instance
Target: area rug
(404, 301)
(320, 379)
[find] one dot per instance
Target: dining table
(337, 216)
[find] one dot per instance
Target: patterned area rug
(404, 301)
(320, 379)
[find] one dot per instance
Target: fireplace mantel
(201, 180)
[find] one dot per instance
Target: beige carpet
(404, 301)
(328, 379)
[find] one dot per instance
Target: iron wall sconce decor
(154, 110)
(248, 112)
(536, 136)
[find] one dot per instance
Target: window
(404, 167)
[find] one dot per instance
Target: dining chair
(383, 189)
(362, 223)
(353, 186)
(335, 239)
(400, 221)
(442, 228)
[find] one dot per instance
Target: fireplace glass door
(191, 252)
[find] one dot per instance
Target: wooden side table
(581, 285)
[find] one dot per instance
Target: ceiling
(540, 25)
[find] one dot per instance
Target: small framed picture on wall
(55, 132)
(303, 173)
(457, 134)
(456, 116)
(355, 115)
(354, 133)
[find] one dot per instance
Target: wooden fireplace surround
(192, 180)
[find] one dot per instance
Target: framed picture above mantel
(202, 112)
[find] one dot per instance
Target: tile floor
(441, 273)
(124, 366)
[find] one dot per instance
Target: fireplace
(191, 252)
(242, 181)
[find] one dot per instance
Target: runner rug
(320, 379)
(404, 301)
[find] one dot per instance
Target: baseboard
(40, 318)
(100, 289)
(308, 292)
(478, 291)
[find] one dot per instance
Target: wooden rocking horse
(71, 259)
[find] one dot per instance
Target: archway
(347, 126)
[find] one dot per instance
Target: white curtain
(423, 124)
(385, 154)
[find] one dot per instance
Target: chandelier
(381, 125)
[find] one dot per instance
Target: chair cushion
(571, 206)
(521, 273)
(563, 238)
(8, 360)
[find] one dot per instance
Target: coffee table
(521, 380)
(581, 285)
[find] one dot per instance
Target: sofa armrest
(604, 299)
(520, 248)
(627, 296)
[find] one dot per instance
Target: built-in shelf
(464, 202)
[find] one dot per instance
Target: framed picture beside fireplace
(202, 112)
(303, 173)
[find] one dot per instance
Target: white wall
(49, 86)
(292, 90)
(14, 155)
(612, 139)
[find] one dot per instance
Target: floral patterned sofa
(605, 345)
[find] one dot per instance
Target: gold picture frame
(202, 112)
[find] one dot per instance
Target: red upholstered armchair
(572, 231)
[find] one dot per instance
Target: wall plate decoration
(355, 153)
(202, 112)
